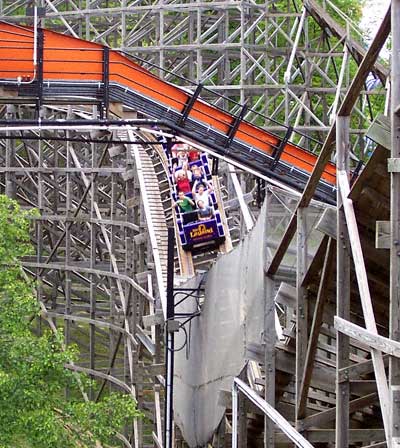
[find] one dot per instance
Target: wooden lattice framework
(90, 264)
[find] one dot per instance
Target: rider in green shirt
(185, 204)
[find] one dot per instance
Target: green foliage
(33, 409)
(352, 9)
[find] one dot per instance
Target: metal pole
(234, 415)
(169, 345)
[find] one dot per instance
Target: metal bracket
(106, 83)
(40, 45)
(189, 105)
(260, 191)
(235, 125)
(394, 165)
(214, 169)
(173, 326)
(356, 172)
(279, 150)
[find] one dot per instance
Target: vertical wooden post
(342, 289)
(301, 303)
(394, 369)
(242, 416)
(269, 338)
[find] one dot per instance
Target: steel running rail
(78, 70)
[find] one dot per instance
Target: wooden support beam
(362, 387)
(271, 413)
(343, 289)
(323, 376)
(327, 223)
(145, 340)
(380, 131)
(242, 416)
(328, 436)
(394, 321)
(321, 418)
(358, 370)
(153, 319)
(324, 156)
(394, 165)
(286, 295)
(376, 445)
(301, 304)
(382, 235)
(322, 296)
(373, 340)
(365, 295)
(395, 400)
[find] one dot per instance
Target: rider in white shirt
(201, 193)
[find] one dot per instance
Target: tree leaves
(33, 409)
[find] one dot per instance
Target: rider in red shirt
(183, 178)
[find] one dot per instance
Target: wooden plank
(156, 440)
(395, 401)
(380, 131)
(394, 165)
(242, 418)
(373, 340)
(145, 340)
(327, 223)
(286, 295)
(327, 416)
(358, 370)
(328, 436)
(153, 319)
(376, 445)
(323, 376)
(273, 414)
(394, 321)
(343, 289)
(382, 235)
(362, 387)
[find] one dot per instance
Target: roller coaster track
(45, 66)
(153, 209)
(158, 211)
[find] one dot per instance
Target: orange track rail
(66, 58)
